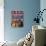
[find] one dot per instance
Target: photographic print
(17, 18)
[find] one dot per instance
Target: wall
(43, 6)
(1, 21)
(29, 7)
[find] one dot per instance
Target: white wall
(43, 6)
(1, 21)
